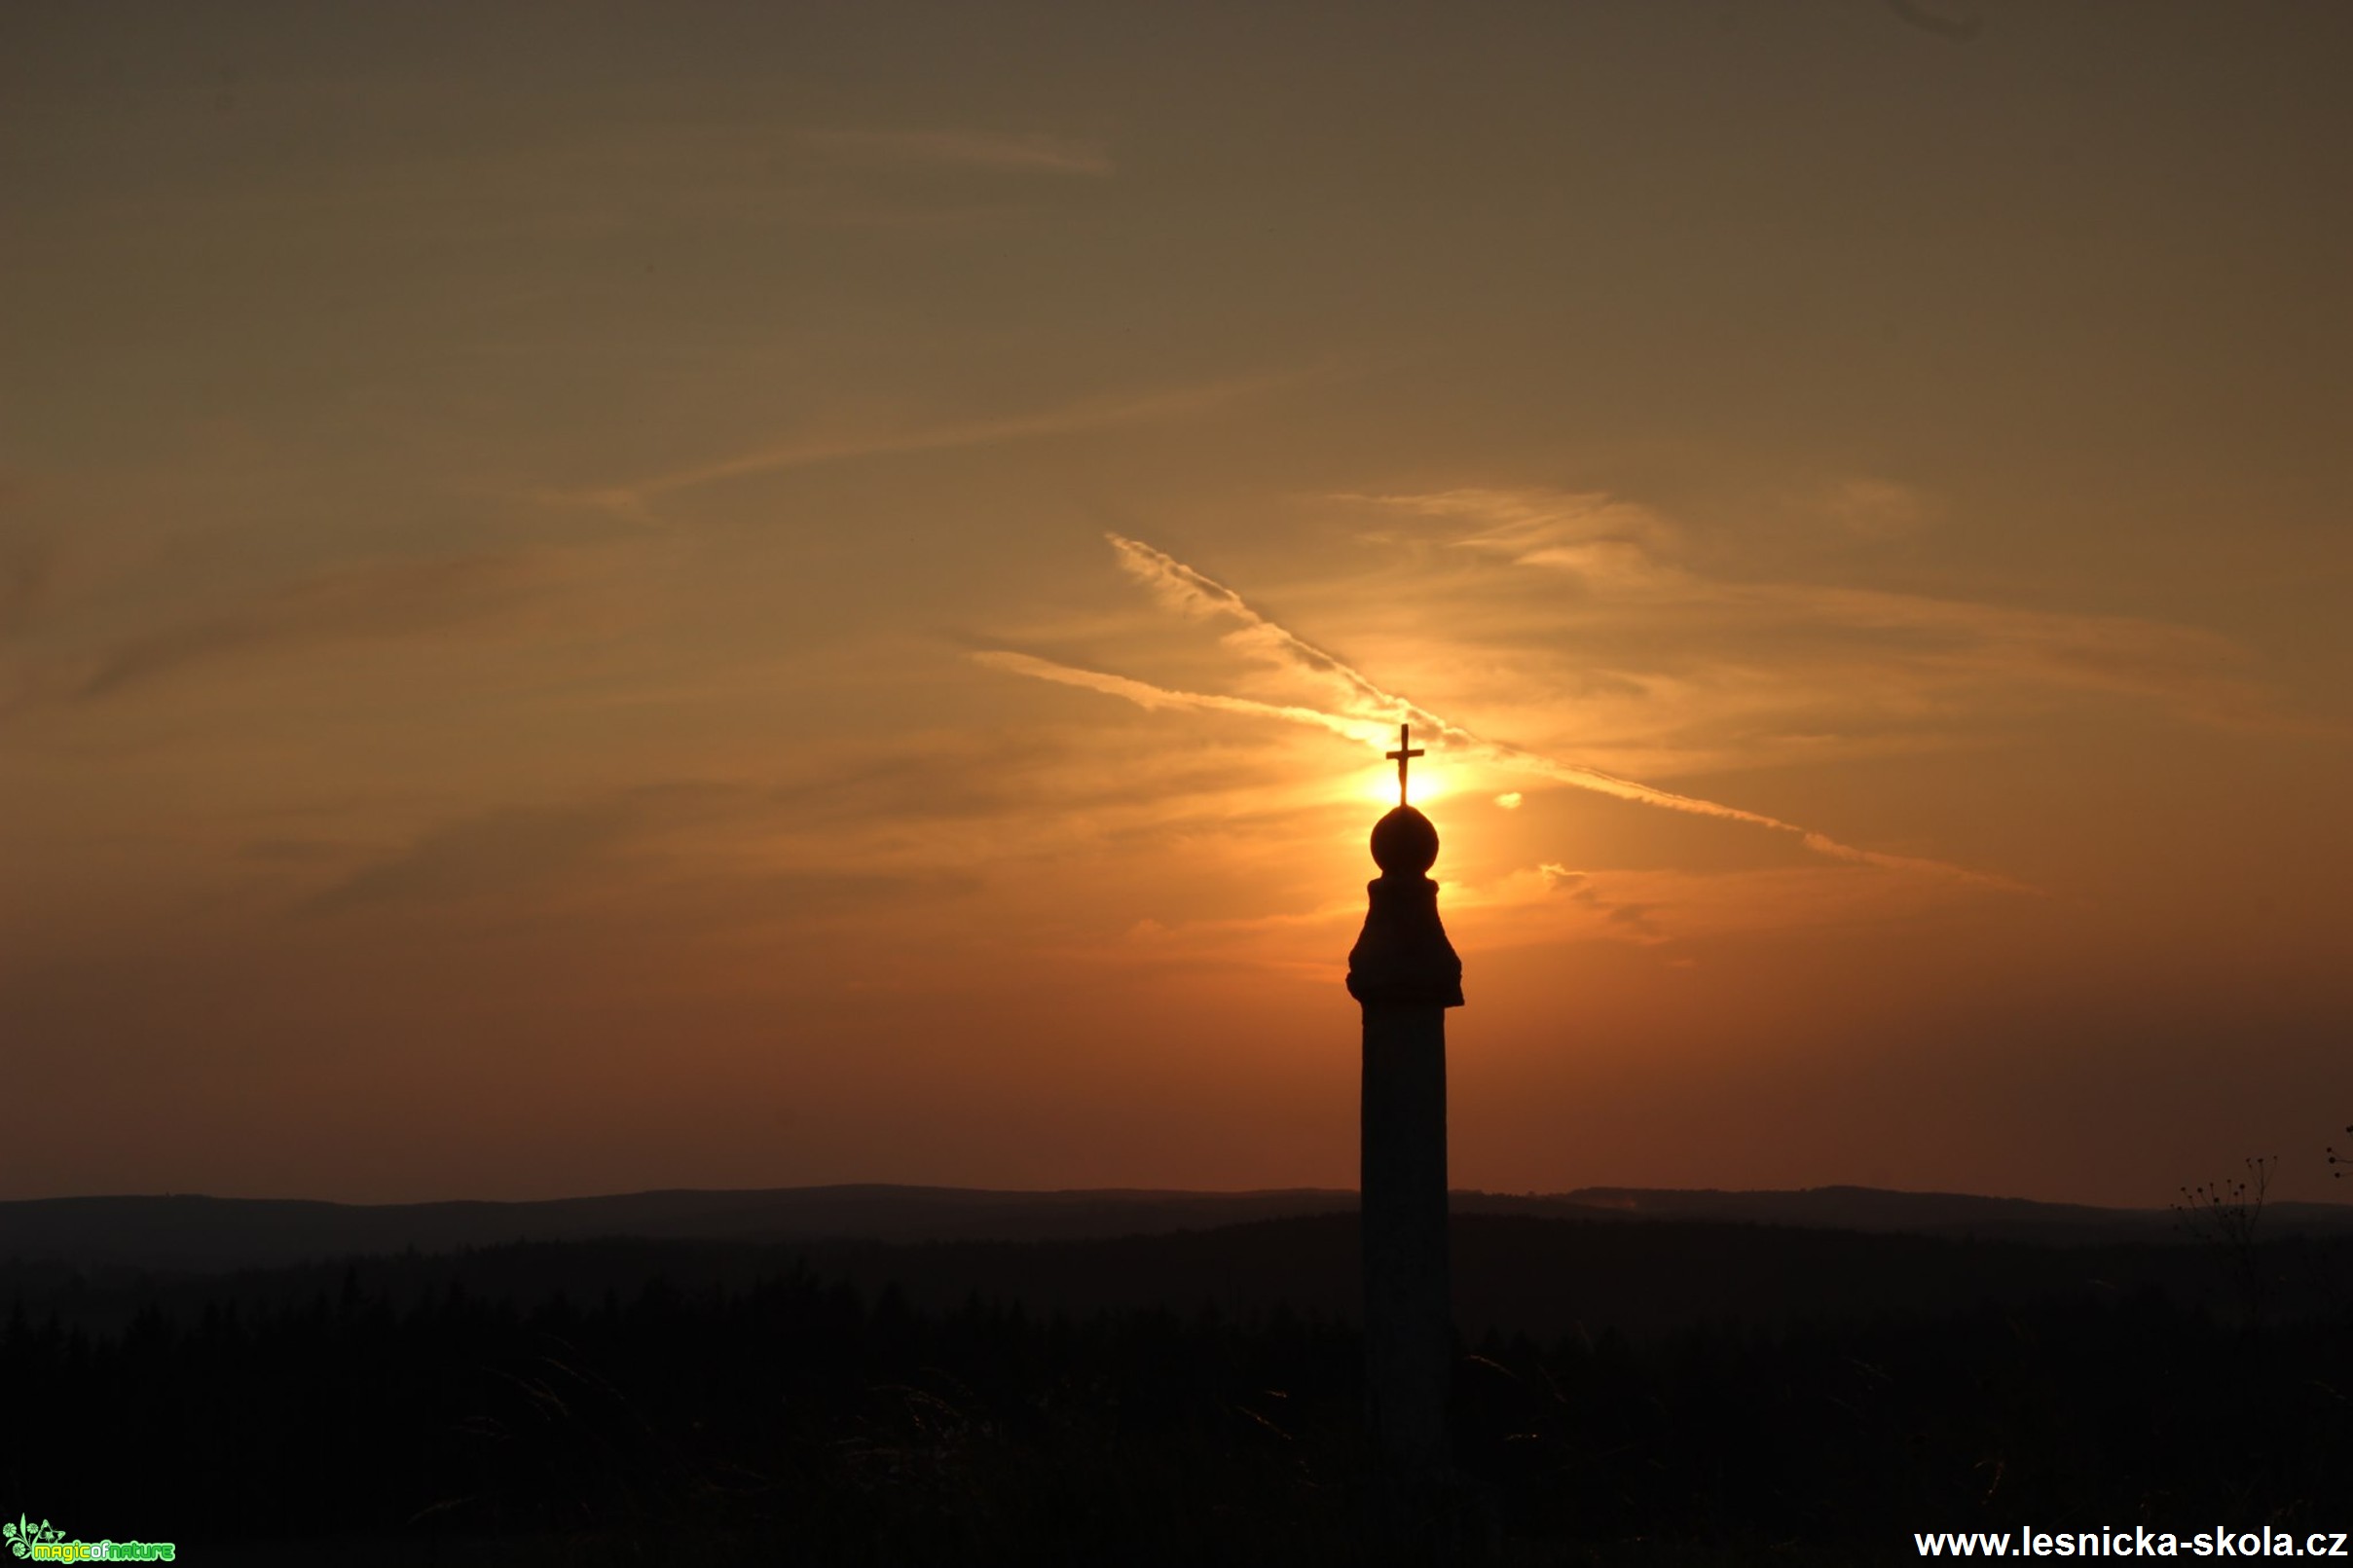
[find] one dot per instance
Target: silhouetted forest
(1628, 1393)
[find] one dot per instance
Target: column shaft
(1409, 1309)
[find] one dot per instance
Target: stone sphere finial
(1404, 843)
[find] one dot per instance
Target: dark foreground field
(1629, 1392)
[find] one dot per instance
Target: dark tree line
(744, 1399)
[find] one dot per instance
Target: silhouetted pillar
(1405, 973)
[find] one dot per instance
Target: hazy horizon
(614, 597)
(2326, 1199)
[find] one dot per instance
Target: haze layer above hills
(189, 1232)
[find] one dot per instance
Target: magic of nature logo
(46, 1543)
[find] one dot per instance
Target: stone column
(1405, 973)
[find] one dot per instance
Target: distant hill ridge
(190, 1232)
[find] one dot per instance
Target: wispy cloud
(1603, 540)
(1877, 508)
(384, 598)
(1368, 708)
(2115, 653)
(1953, 29)
(1524, 522)
(505, 850)
(692, 849)
(635, 499)
(991, 152)
(27, 568)
(1627, 555)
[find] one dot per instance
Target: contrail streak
(1186, 589)
(1373, 708)
(1145, 695)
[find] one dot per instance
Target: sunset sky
(698, 595)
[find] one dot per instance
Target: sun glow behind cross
(1415, 778)
(1379, 785)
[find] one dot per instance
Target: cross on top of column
(1406, 751)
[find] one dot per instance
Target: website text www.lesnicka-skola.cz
(2137, 1542)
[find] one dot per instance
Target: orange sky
(609, 597)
